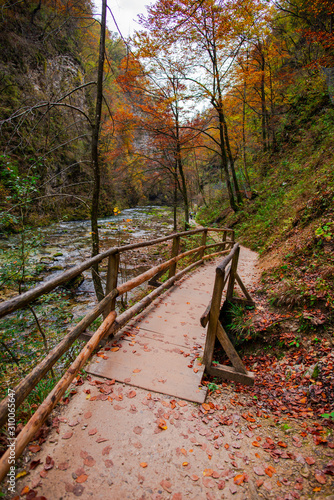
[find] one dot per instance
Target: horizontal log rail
(106, 308)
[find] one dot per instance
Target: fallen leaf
(33, 465)
(49, 463)
(208, 482)
(136, 370)
(167, 485)
(193, 477)
(320, 477)
(114, 349)
(92, 432)
(89, 461)
(34, 448)
(108, 463)
(106, 450)
(63, 465)
(309, 460)
(259, 470)
(24, 491)
(131, 394)
(82, 478)
(239, 479)
(138, 430)
(283, 445)
(67, 435)
(143, 465)
(208, 472)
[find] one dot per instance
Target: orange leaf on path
(239, 479)
(82, 478)
(143, 465)
(114, 349)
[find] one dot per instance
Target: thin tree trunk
(95, 156)
(175, 199)
(244, 161)
(224, 165)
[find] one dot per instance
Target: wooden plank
(229, 373)
(44, 410)
(229, 349)
(123, 318)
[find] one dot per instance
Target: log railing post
(224, 239)
(203, 243)
(214, 317)
(175, 251)
(112, 275)
(233, 274)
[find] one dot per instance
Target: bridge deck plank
(165, 340)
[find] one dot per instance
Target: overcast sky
(125, 13)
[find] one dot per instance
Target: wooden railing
(226, 274)
(106, 308)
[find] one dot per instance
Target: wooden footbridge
(163, 347)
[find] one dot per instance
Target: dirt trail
(133, 444)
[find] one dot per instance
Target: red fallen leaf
(221, 485)
(74, 423)
(89, 461)
(83, 454)
(320, 477)
(108, 463)
(114, 349)
(43, 473)
(32, 494)
(182, 403)
(283, 445)
(177, 496)
(226, 446)
(256, 444)
(67, 435)
(63, 466)
(106, 450)
(270, 470)
(208, 482)
(259, 483)
(143, 465)
(101, 440)
(82, 478)
(49, 463)
(167, 485)
(270, 441)
(34, 448)
(24, 491)
(34, 464)
(92, 432)
(239, 479)
(216, 475)
(193, 477)
(131, 394)
(329, 468)
(309, 460)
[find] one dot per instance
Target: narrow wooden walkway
(161, 350)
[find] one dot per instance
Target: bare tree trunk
(95, 156)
